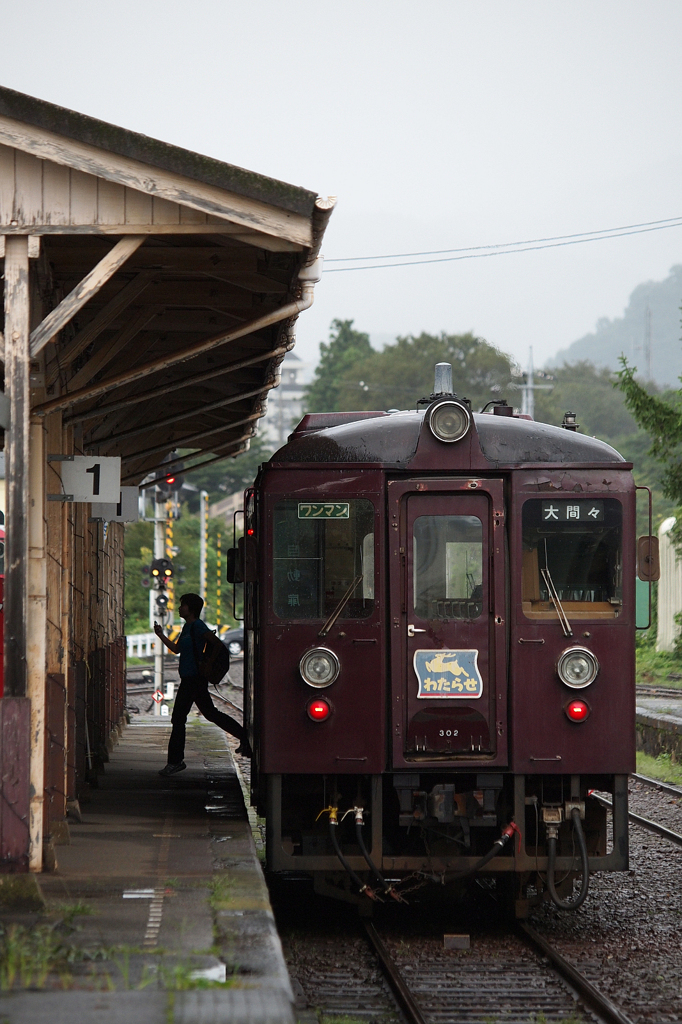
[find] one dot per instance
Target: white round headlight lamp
(319, 667)
(449, 421)
(577, 667)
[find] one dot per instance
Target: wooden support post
(15, 707)
(17, 384)
(36, 647)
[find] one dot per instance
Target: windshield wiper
(565, 624)
(340, 606)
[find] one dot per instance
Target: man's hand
(159, 630)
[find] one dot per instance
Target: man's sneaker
(173, 769)
(244, 749)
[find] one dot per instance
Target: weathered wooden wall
(39, 192)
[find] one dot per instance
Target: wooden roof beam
(224, 454)
(188, 441)
(166, 421)
(246, 212)
(82, 293)
(100, 322)
(308, 277)
(111, 348)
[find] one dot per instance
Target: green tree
(661, 417)
(139, 545)
(347, 347)
(603, 412)
(352, 375)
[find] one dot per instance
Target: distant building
(226, 507)
(285, 402)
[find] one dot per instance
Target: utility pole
(647, 341)
(530, 387)
(203, 546)
(159, 552)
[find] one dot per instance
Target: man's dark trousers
(194, 690)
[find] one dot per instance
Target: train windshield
(574, 546)
(448, 567)
(320, 550)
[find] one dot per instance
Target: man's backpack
(211, 655)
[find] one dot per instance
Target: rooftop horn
(443, 381)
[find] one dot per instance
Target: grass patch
(661, 767)
(656, 667)
(221, 891)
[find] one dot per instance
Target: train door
(448, 622)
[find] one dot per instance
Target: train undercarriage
(361, 836)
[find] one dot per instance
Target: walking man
(193, 688)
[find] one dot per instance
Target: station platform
(659, 725)
(157, 910)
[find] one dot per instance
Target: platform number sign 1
(90, 478)
(96, 471)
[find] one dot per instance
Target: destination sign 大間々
(570, 511)
(323, 509)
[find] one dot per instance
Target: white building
(285, 402)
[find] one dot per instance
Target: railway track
(667, 692)
(397, 970)
(647, 823)
(506, 985)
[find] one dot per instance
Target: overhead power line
(503, 248)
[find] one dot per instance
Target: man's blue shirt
(188, 664)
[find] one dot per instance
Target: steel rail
(393, 976)
(595, 999)
(668, 692)
(650, 826)
(665, 787)
(591, 996)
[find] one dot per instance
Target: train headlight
(449, 421)
(577, 667)
(319, 667)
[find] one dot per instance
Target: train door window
(448, 567)
(574, 546)
(319, 549)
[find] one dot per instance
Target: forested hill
(627, 334)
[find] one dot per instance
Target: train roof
(392, 439)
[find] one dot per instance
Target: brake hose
(552, 832)
(497, 846)
(389, 889)
(333, 826)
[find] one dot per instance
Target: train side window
(579, 543)
(318, 550)
(448, 567)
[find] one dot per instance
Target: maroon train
(439, 667)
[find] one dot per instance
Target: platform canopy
(169, 282)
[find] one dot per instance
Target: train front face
(442, 638)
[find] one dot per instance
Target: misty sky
(437, 124)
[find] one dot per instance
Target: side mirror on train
(234, 566)
(242, 562)
(648, 561)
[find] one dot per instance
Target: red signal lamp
(577, 710)
(319, 710)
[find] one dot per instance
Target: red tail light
(577, 710)
(319, 710)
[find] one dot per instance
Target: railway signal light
(146, 569)
(162, 570)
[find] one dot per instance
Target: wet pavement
(157, 909)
